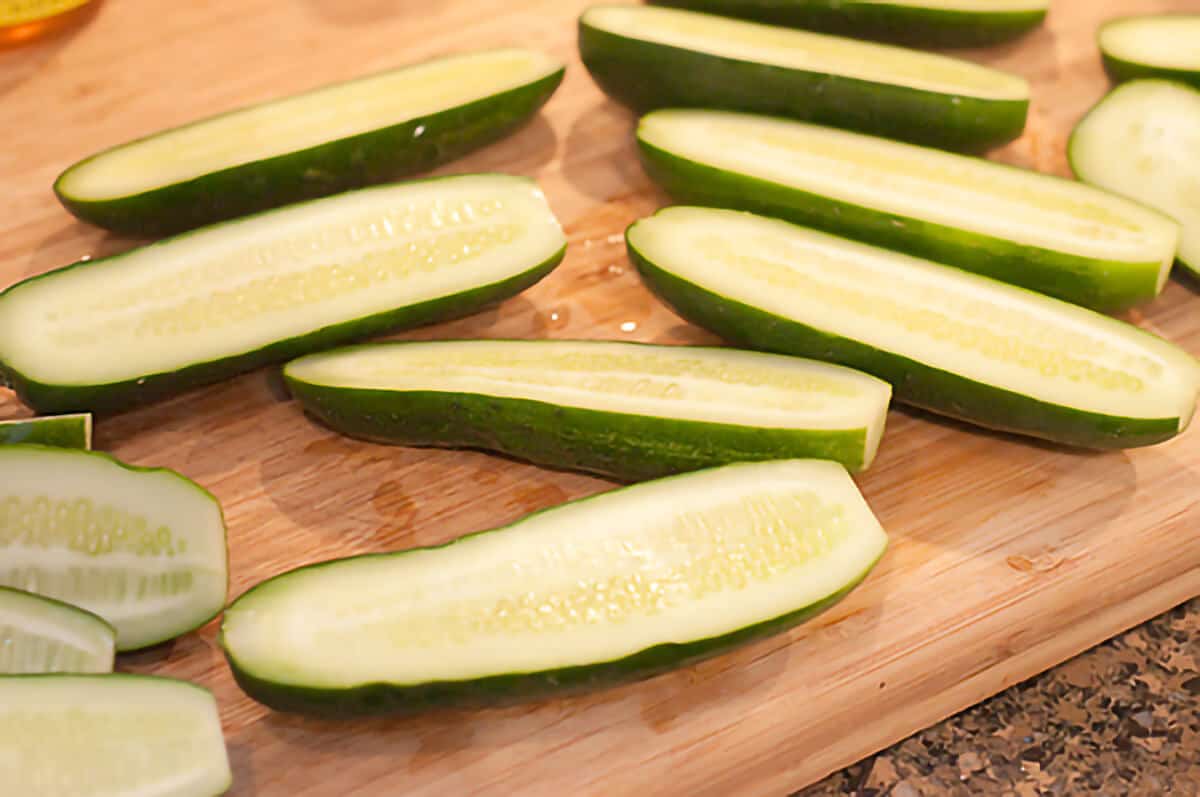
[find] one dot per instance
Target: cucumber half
(1143, 141)
(216, 302)
(142, 548)
(1160, 45)
(335, 138)
(1051, 235)
(949, 341)
(612, 588)
(41, 635)
(924, 23)
(64, 431)
(110, 736)
(652, 58)
(627, 410)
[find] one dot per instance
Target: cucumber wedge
(110, 736)
(651, 58)
(207, 305)
(626, 410)
(142, 548)
(920, 23)
(1143, 141)
(63, 431)
(41, 635)
(1051, 235)
(1161, 45)
(949, 341)
(344, 136)
(613, 588)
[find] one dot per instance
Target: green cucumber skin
(40, 431)
(913, 382)
(646, 76)
(1103, 285)
(1120, 71)
(898, 23)
(620, 446)
(370, 158)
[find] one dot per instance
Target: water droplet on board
(629, 326)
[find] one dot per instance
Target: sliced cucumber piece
(949, 341)
(41, 635)
(142, 548)
(204, 306)
(924, 23)
(110, 736)
(626, 410)
(64, 431)
(1041, 232)
(653, 58)
(1159, 45)
(338, 137)
(612, 588)
(1143, 141)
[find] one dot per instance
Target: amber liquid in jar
(25, 20)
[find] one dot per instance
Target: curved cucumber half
(925, 23)
(1160, 45)
(1143, 140)
(223, 300)
(651, 58)
(110, 736)
(949, 341)
(144, 549)
(612, 588)
(625, 410)
(335, 138)
(64, 431)
(41, 635)
(1051, 235)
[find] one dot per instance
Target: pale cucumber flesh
(67, 431)
(40, 635)
(671, 561)
(110, 736)
(143, 549)
(1166, 41)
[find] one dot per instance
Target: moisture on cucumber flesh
(1051, 235)
(650, 58)
(65, 431)
(1159, 45)
(143, 548)
(344, 136)
(1143, 141)
(110, 736)
(950, 341)
(206, 305)
(42, 635)
(626, 410)
(926, 23)
(612, 588)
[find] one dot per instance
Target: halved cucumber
(926, 23)
(64, 431)
(42, 635)
(110, 736)
(659, 57)
(343, 136)
(949, 341)
(1143, 141)
(1041, 232)
(142, 548)
(216, 302)
(1159, 45)
(612, 588)
(626, 410)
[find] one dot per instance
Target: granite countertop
(1122, 719)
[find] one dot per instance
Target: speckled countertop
(1122, 719)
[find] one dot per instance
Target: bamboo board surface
(1007, 557)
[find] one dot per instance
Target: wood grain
(1007, 556)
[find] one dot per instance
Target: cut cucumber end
(1162, 45)
(63, 431)
(42, 635)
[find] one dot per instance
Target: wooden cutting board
(1007, 556)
